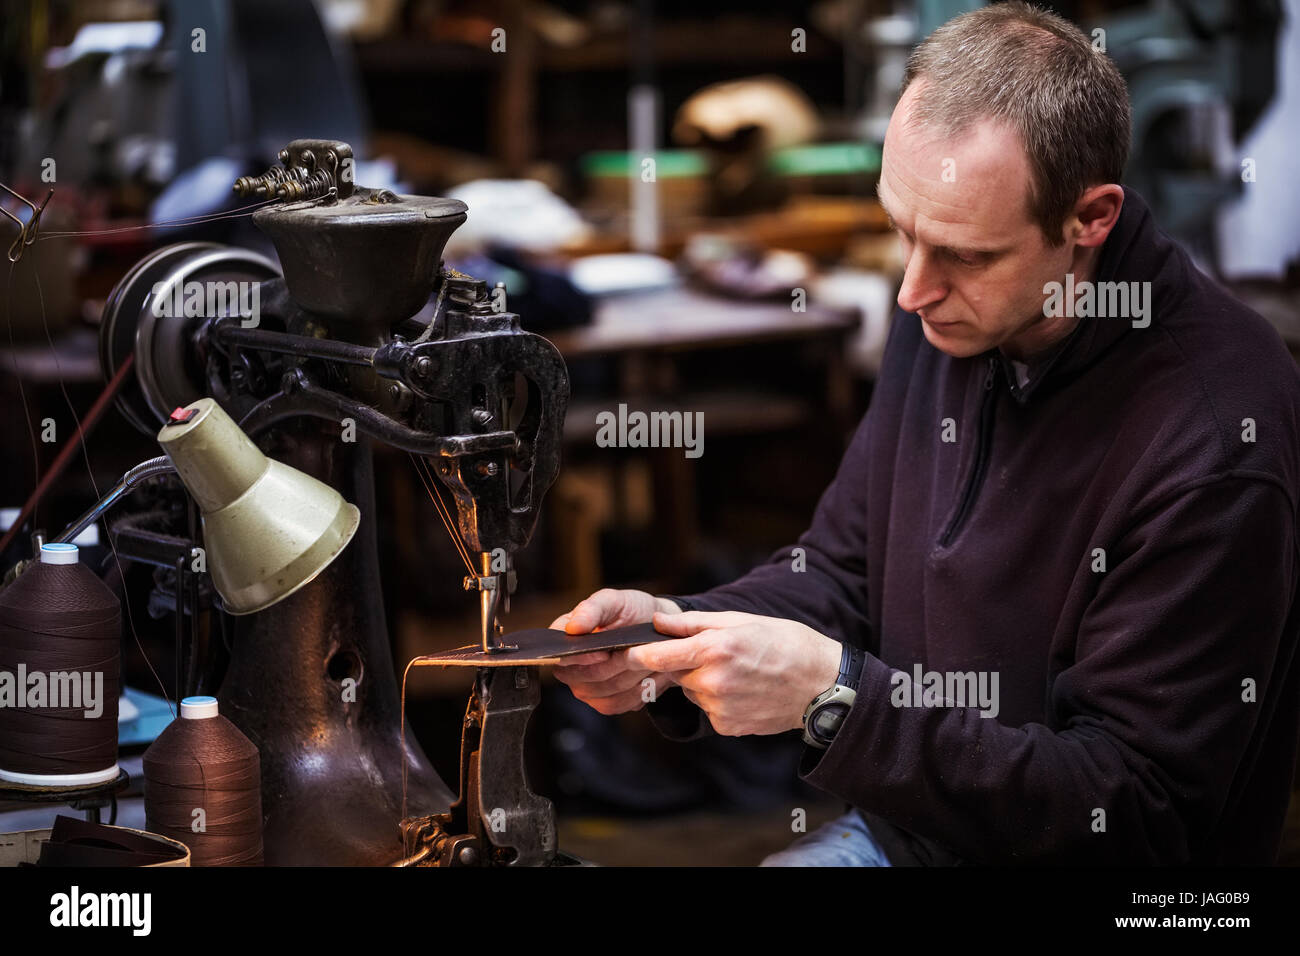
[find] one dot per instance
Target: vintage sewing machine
(303, 361)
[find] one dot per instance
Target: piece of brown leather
(541, 645)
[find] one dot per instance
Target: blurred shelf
(696, 42)
(683, 319)
(746, 41)
(821, 226)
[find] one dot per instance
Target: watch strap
(852, 660)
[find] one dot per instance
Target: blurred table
(684, 318)
(645, 333)
(648, 336)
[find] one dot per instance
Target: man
(1063, 537)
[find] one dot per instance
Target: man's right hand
(603, 679)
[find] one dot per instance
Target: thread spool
(202, 786)
(60, 634)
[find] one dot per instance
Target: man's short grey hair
(1039, 73)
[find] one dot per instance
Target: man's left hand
(749, 674)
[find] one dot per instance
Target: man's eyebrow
(956, 250)
(880, 199)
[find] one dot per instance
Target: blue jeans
(845, 841)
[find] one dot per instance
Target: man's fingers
(594, 671)
(684, 654)
(689, 623)
(619, 704)
(634, 698)
(580, 660)
(614, 686)
(583, 619)
(694, 697)
(679, 625)
(663, 681)
(652, 686)
(591, 613)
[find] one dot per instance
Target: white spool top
(198, 708)
(60, 779)
(55, 553)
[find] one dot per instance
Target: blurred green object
(820, 159)
(825, 159)
(669, 163)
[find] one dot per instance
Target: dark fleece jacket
(1116, 541)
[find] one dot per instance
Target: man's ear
(1095, 215)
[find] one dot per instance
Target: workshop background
(745, 273)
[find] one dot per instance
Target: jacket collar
(1093, 337)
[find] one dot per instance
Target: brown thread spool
(202, 762)
(58, 618)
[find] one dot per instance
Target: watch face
(827, 720)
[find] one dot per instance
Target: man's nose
(922, 286)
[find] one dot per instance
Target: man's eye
(968, 260)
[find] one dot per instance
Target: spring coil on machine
(263, 186)
(303, 185)
(292, 184)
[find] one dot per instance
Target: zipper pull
(993, 371)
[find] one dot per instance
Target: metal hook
(14, 256)
(26, 230)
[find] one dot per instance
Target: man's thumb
(585, 618)
(679, 625)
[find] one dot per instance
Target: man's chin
(950, 339)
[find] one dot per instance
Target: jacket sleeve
(819, 581)
(1150, 720)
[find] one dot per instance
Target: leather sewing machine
(334, 347)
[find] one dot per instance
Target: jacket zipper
(981, 456)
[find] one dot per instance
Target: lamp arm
(127, 483)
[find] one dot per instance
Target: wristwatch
(822, 719)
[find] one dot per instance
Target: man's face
(975, 262)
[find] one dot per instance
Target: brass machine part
(495, 588)
(312, 169)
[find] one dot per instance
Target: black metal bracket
(496, 820)
(476, 351)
